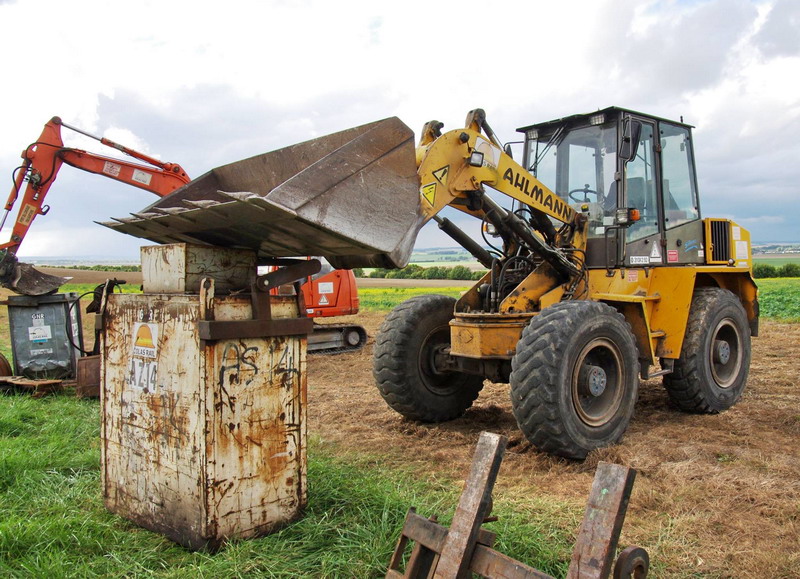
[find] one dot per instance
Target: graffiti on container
(286, 368)
(238, 365)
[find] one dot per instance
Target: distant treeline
(105, 267)
(460, 272)
(761, 270)
(414, 271)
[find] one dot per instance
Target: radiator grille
(720, 241)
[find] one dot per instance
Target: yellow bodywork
(655, 302)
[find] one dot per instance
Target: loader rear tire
(574, 378)
(409, 341)
(711, 373)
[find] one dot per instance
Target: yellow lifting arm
(464, 159)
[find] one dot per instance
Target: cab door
(644, 238)
(683, 229)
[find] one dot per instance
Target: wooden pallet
(37, 388)
(466, 548)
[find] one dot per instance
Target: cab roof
(583, 118)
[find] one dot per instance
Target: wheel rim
(598, 380)
(725, 353)
(431, 356)
(352, 338)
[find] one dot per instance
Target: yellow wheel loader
(600, 272)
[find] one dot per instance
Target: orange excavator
(327, 294)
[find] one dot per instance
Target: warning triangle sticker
(441, 174)
(655, 254)
(429, 192)
(323, 301)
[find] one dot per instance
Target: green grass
(54, 522)
(82, 288)
(779, 299)
(776, 261)
(472, 263)
(384, 299)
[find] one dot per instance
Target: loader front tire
(574, 378)
(711, 373)
(410, 341)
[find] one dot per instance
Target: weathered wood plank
(397, 556)
(473, 506)
(490, 563)
(605, 512)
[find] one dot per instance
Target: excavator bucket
(352, 197)
(25, 279)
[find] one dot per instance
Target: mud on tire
(409, 340)
(711, 373)
(574, 378)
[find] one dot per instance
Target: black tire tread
(391, 363)
(684, 384)
(534, 376)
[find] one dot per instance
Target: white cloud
(203, 84)
(763, 219)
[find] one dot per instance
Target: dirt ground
(715, 495)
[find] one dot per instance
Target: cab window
(641, 184)
(581, 169)
(677, 182)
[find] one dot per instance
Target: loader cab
(632, 175)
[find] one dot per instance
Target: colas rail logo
(145, 340)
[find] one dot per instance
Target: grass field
(779, 299)
(775, 260)
(384, 299)
(54, 523)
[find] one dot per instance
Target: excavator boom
(41, 163)
(331, 294)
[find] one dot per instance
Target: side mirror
(631, 131)
(507, 150)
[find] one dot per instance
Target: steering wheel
(585, 192)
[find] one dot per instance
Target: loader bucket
(352, 197)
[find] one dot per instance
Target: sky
(205, 83)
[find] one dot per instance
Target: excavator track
(329, 339)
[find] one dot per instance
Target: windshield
(580, 166)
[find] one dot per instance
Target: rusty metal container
(180, 267)
(87, 382)
(202, 440)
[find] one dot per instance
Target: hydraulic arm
(41, 163)
(453, 169)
